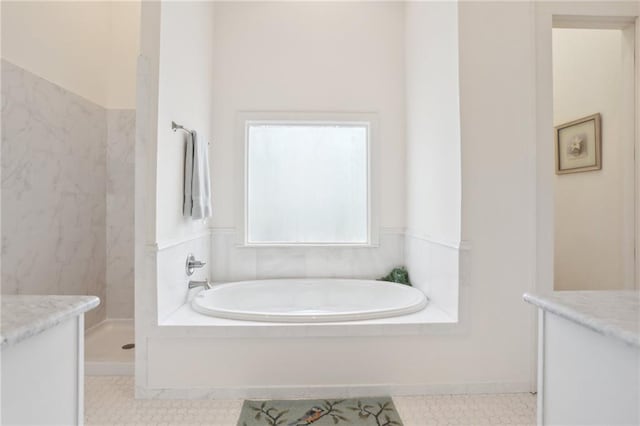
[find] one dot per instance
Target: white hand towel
(200, 188)
(197, 200)
(188, 177)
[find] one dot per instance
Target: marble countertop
(612, 313)
(24, 316)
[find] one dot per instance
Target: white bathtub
(309, 300)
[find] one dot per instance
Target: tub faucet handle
(192, 264)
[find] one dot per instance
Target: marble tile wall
(120, 213)
(67, 195)
(230, 262)
(53, 190)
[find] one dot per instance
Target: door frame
(612, 15)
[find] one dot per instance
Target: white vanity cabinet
(42, 359)
(588, 358)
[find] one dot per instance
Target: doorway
(594, 187)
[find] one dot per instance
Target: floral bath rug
(322, 412)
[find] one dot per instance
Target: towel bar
(175, 127)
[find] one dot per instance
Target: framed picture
(578, 145)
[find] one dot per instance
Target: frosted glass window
(307, 183)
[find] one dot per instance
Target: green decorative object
(397, 275)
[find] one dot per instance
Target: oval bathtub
(309, 300)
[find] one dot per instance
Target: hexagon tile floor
(109, 401)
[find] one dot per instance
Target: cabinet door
(588, 378)
(42, 378)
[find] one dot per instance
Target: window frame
(246, 119)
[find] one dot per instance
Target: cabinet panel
(41, 379)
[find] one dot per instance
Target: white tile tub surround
(120, 212)
(172, 279)
(438, 269)
(228, 347)
(233, 262)
(53, 177)
(191, 366)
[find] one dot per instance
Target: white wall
(324, 57)
(309, 57)
(88, 48)
(591, 251)
(433, 121)
(497, 101)
(492, 347)
(124, 48)
(433, 151)
(177, 64)
(174, 71)
(42, 37)
(185, 96)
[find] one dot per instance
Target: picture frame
(578, 145)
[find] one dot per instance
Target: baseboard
(346, 391)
